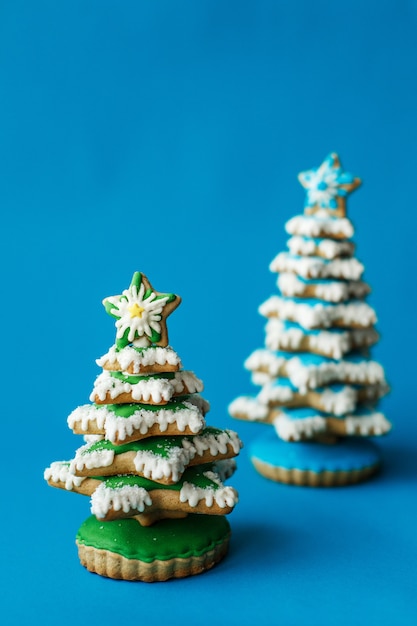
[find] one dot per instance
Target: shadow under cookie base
(171, 548)
(315, 464)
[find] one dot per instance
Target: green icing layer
(127, 410)
(158, 445)
(133, 380)
(161, 446)
(191, 536)
(193, 475)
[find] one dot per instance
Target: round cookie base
(315, 464)
(171, 548)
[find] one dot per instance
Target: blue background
(166, 137)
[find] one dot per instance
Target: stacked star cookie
(318, 381)
(153, 468)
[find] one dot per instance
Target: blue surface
(166, 137)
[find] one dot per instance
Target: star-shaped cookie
(327, 187)
(141, 313)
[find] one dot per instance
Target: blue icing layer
(308, 358)
(346, 455)
(318, 240)
(312, 302)
(312, 331)
(310, 258)
(334, 387)
(320, 281)
(306, 412)
(283, 382)
(316, 218)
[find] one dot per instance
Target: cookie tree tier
(319, 386)
(152, 467)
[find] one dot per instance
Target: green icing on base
(172, 538)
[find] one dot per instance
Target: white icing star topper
(141, 313)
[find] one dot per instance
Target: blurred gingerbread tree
(319, 386)
(153, 468)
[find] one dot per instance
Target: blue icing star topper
(327, 187)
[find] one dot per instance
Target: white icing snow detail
(127, 498)
(59, 472)
(248, 407)
(338, 402)
(156, 467)
(356, 313)
(223, 496)
(374, 424)
(325, 342)
(295, 430)
(319, 225)
(142, 420)
(216, 443)
(291, 286)
(328, 248)
(154, 389)
(312, 376)
(84, 458)
(316, 267)
(128, 356)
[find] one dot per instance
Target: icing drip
(283, 336)
(316, 267)
(262, 359)
(223, 496)
(129, 356)
(296, 424)
(158, 458)
(155, 467)
(186, 382)
(320, 225)
(320, 314)
(117, 428)
(328, 248)
(123, 498)
(59, 472)
(332, 291)
(90, 459)
(214, 440)
(145, 390)
(305, 374)
(155, 389)
(295, 430)
(275, 394)
(374, 424)
(338, 401)
(248, 408)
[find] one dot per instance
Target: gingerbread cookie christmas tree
(319, 387)
(152, 467)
